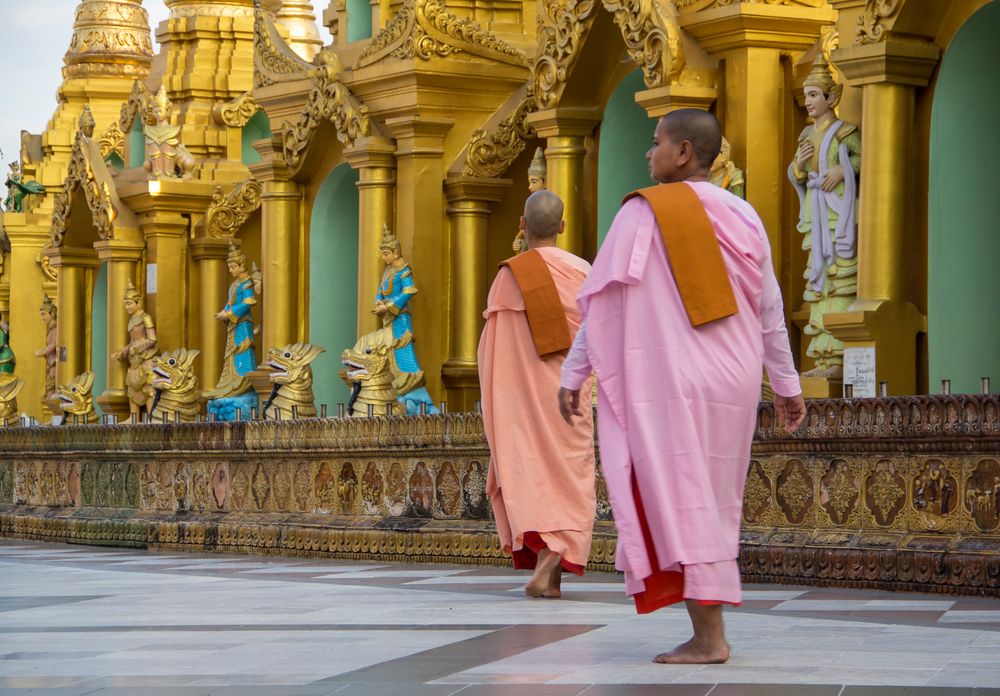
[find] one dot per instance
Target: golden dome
(110, 38)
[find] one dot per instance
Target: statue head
(390, 247)
(48, 310)
(15, 168)
(161, 105)
(537, 171)
(236, 260)
(86, 122)
(821, 90)
(133, 300)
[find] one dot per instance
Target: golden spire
(110, 39)
(298, 19)
(820, 76)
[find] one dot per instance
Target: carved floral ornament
(424, 29)
(653, 41)
(871, 24)
(98, 196)
(236, 113)
(227, 213)
(138, 104)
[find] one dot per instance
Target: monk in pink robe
(677, 403)
(541, 475)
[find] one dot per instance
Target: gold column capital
(204, 248)
(660, 101)
(897, 61)
(419, 135)
(272, 165)
(472, 188)
(371, 152)
(756, 25)
(578, 121)
(119, 249)
(82, 257)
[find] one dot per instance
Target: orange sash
(546, 316)
(693, 251)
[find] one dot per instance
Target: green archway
(333, 280)
(626, 134)
(257, 128)
(99, 334)
(963, 241)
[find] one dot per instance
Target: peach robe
(541, 477)
(677, 405)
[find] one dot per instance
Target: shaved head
(543, 213)
(700, 128)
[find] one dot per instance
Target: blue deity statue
(392, 304)
(234, 391)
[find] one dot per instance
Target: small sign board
(150, 278)
(859, 371)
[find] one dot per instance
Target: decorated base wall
(890, 493)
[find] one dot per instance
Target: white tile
(978, 616)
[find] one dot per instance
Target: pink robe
(677, 405)
(541, 476)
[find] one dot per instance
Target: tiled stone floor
(85, 620)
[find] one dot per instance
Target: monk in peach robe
(681, 311)
(541, 476)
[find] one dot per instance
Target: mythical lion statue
(367, 371)
(9, 387)
(291, 377)
(175, 386)
(77, 401)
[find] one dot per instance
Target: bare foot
(539, 582)
(692, 653)
(554, 591)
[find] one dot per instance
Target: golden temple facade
(423, 115)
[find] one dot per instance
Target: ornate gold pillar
(469, 201)
(166, 276)
(752, 38)
(564, 130)
(419, 200)
(375, 160)
(883, 316)
(280, 236)
(209, 282)
(75, 295)
(122, 257)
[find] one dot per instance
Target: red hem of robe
(527, 557)
(663, 587)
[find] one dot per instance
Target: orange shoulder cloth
(693, 251)
(546, 316)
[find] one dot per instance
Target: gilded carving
(372, 490)
(982, 494)
(934, 493)
(475, 500)
(795, 491)
(240, 487)
(839, 492)
(80, 174)
(273, 60)
(281, 488)
(652, 38)
(871, 24)
(425, 28)
(110, 38)
(260, 488)
(227, 213)
(112, 142)
(885, 493)
(302, 486)
(325, 489)
(220, 485)
(449, 492)
(347, 488)
(137, 106)
(395, 493)
(756, 494)
(236, 113)
(421, 491)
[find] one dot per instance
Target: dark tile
(267, 690)
(523, 690)
(909, 617)
(776, 690)
(648, 690)
(906, 691)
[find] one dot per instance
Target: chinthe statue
(18, 189)
(825, 175)
(139, 354)
(176, 387)
(9, 388)
(50, 352)
(165, 155)
(725, 174)
(233, 390)
(291, 379)
(369, 375)
(7, 360)
(537, 172)
(76, 400)
(392, 304)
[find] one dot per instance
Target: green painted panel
(333, 280)
(626, 135)
(359, 20)
(963, 237)
(136, 144)
(99, 334)
(257, 128)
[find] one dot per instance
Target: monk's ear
(562, 226)
(685, 153)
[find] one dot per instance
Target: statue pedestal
(115, 403)
(821, 388)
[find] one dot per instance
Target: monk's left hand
(569, 404)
